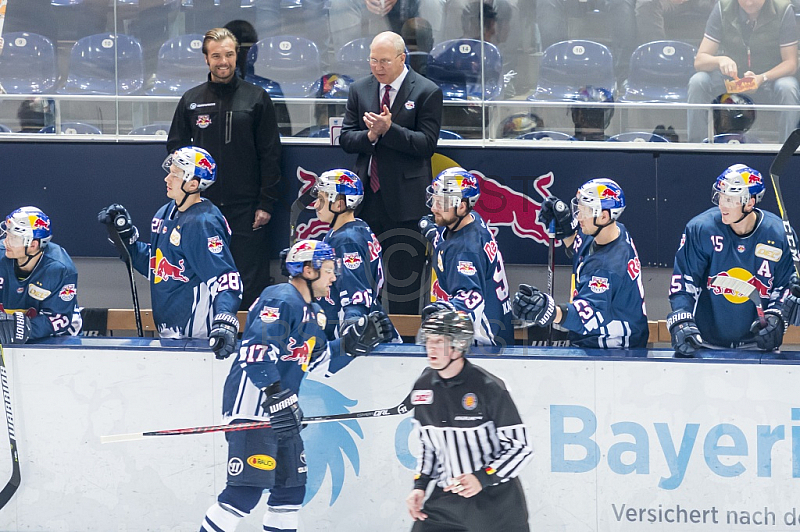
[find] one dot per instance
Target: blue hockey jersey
(356, 291)
(607, 307)
(190, 267)
(470, 274)
(710, 248)
(282, 335)
(49, 295)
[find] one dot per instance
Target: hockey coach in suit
(392, 122)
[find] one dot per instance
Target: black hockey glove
(427, 227)
(361, 337)
(685, 335)
(14, 328)
(285, 415)
(222, 338)
(532, 305)
(555, 209)
(769, 337)
(436, 306)
(791, 306)
(117, 215)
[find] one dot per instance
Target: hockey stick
(551, 269)
(120, 221)
(740, 288)
(775, 171)
(400, 409)
(300, 204)
(11, 487)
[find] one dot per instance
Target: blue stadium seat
(105, 64)
(568, 66)
(352, 58)
(546, 135)
(73, 128)
(28, 64)
(637, 136)
(734, 138)
(455, 66)
(660, 72)
(181, 65)
(156, 128)
(292, 62)
(5, 129)
(449, 135)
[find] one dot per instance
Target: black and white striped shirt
(467, 424)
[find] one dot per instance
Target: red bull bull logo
(468, 181)
(502, 206)
(163, 270)
(607, 192)
(351, 261)
(269, 314)
(299, 353)
(733, 295)
(753, 179)
(346, 180)
(40, 223)
(67, 292)
(598, 285)
(203, 162)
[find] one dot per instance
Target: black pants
(250, 250)
(501, 507)
(403, 254)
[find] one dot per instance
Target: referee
(473, 441)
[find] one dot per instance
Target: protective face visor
(582, 211)
(441, 200)
(178, 172)
(729, 200)
(332, 266)
(13, 235)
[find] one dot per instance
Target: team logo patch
(235, 466)
(175, 237)
(20, 289)
(770, 253)
(469, 401)
(215, 244)
(261, 461)
(740, 248)
(269, 314)
(598, 285)
(422, 397)
(203, 121)
(38, 293)
(466, 267)
(67, 292)
(409, 105)
(352, 260)
(322, 319)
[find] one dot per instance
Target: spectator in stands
(353, 19)
(418, 35)
(652, 14)
(759, 40)
(35, 114)
(235, 121)
(553, 25)
(246, 35)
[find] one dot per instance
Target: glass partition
(516, 71)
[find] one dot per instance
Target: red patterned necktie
(374, 183)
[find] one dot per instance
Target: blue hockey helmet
(344, 182)
(739, 180)
(27, 224)
(196, 163)
(454, 185)
(313, 251)
(599, 194)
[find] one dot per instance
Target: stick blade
(115, 438)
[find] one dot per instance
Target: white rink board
(66, 398)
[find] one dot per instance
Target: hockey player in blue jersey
(194, 284)
(356, 292)
(470, 275)
(283, 339)
(38, 281)
(734, 240)
(607, 307)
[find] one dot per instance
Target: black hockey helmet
(737, 120)
(453, 323)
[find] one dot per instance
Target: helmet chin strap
(744, 215)
(600, 227)
(460, 219)
(186, 194)
(309, 284)
(451, 360)
(29, 257)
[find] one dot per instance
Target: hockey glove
(532, 305)
(361, 337)
(14, 328)
(222, 338)
(436, 306)
(685, 335)
(285, 415)
(427, 227)
(770, 337)
(791, 307)
(118, 216)
(555, 209)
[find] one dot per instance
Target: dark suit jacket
(404, 152)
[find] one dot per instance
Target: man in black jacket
(235, 121)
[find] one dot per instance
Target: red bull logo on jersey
(735, 296)
(299, 353)
(466, 267)
(502, 206)
(215, 244)
(437, 293)
(67, 292)
(269, 314)
(163, 270)
(598, 285)
(352, 261)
